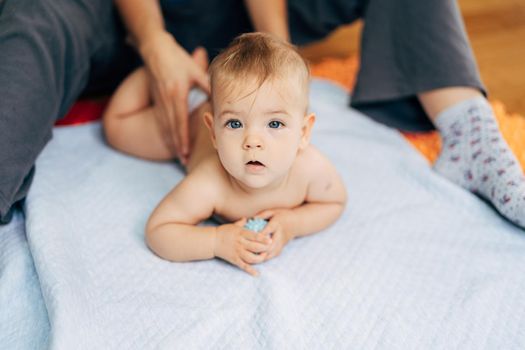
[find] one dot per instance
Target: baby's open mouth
(255, 166)
(255, 162)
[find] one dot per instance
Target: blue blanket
(415, 262)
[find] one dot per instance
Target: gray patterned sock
(475, 155)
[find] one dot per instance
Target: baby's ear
(208, 121)
(308, 123)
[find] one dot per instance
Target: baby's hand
(241, 247)
(276, 228)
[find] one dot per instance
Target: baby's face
(257, 133)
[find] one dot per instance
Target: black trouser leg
(46, 47)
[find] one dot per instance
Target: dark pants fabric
(52, 51)
(407, 47)
(46, 48)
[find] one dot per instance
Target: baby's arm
(172, 233)
(325, 198)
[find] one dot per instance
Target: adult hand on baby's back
(241, 247)
(277, 229)
(173, 72)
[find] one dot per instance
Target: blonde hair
(257, 56)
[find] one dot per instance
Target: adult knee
(50, 42)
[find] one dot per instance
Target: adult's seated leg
(408, 47)
(313, 20)
(45, 46)
(419, 52)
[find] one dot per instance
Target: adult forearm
(269, 16)
(179, 242)
(312, 217)
(143, 19)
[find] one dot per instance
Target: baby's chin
(254, 183)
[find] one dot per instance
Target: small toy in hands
(255, 224)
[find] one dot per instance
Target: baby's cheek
(287, 152)
(229, 166)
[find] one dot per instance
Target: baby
(251, 158)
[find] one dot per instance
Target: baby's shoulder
(311, 158)
(207, 164)
(324, 181)
(313, 165)
(208, 174)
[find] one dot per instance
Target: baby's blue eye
(275, 124)
(233, 124)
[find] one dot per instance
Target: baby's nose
(253, 142)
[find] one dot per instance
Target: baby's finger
(269, 229)
(255, 247)
(256, 237)
(246, 267)
(265, 214)
(241, 222)
(252, 258)
(272, 253)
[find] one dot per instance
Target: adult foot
(476, 156)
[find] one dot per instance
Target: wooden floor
(497, 32)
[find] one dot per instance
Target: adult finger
(203, 81)
(159, 111)
(181, 120)
(163, 112)
(165, 128)
(172, 126)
